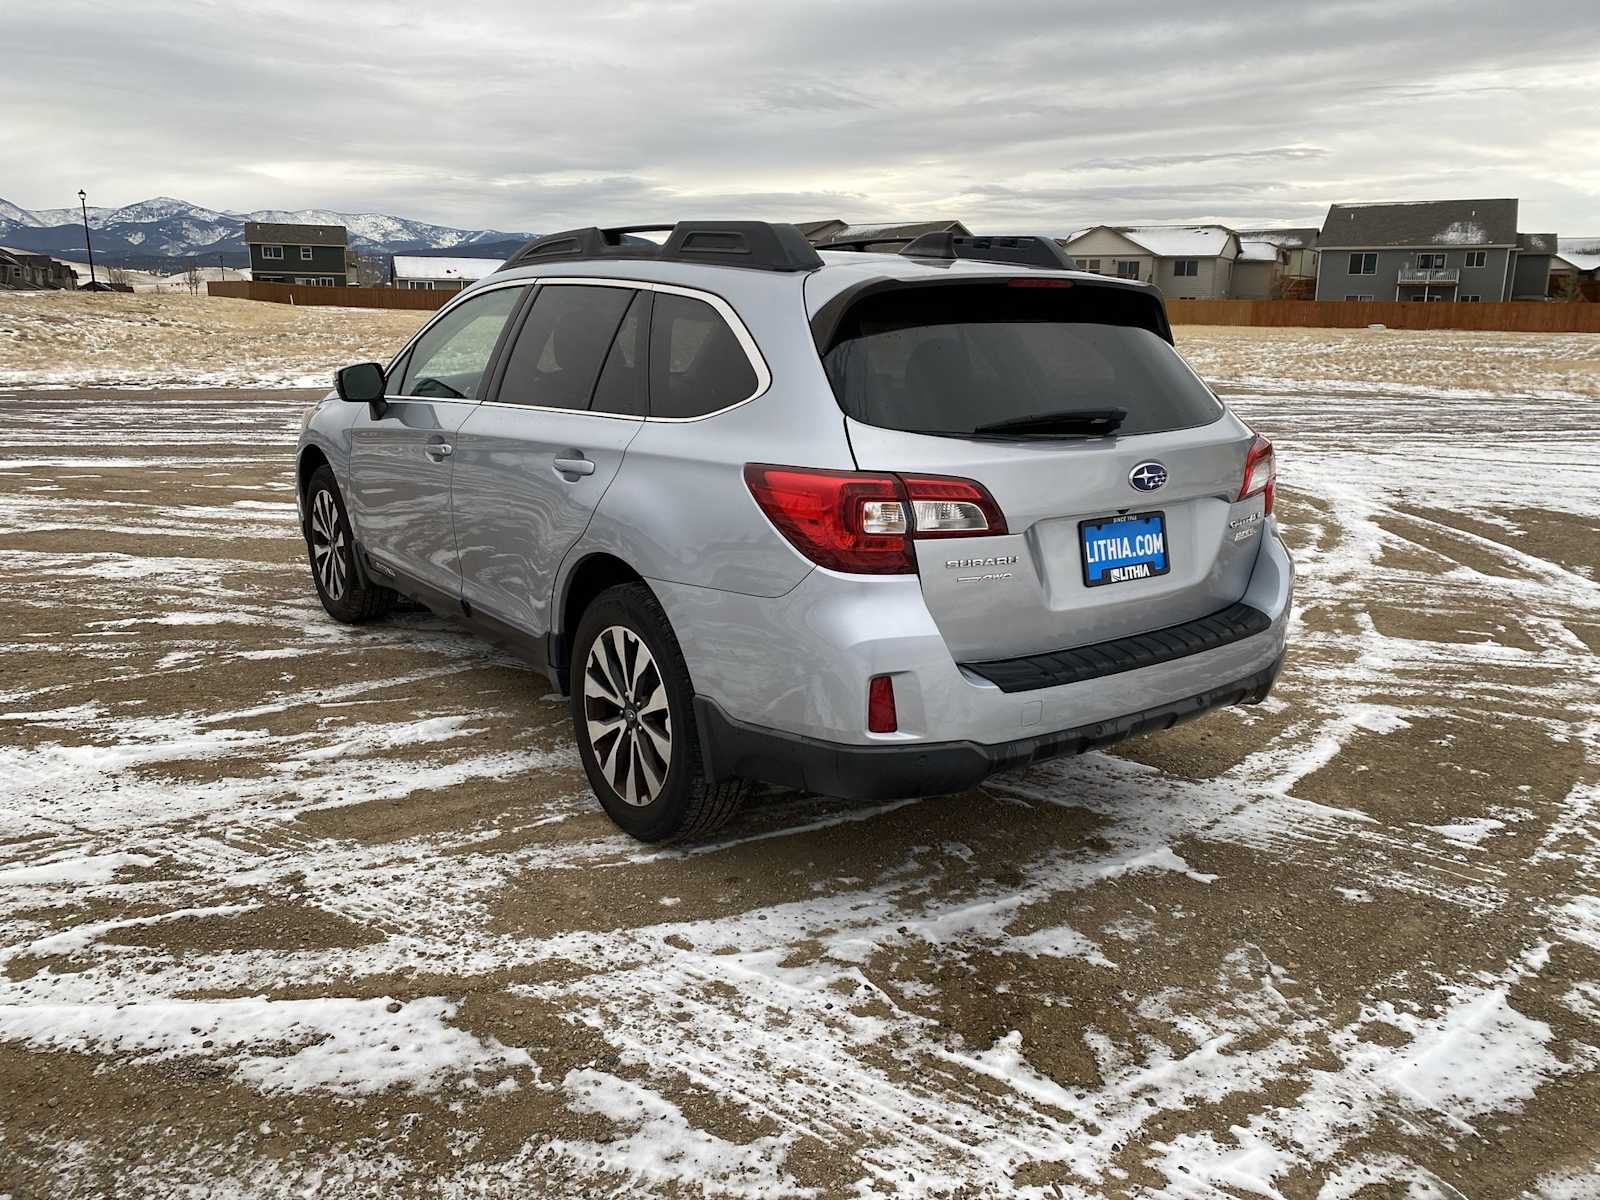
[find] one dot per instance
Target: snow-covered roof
(1290, 238)
(1257, 250)
(1179, 241)
(414, 266)
(1421, 223)
(1583, 253)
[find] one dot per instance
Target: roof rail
(1023, 251)
(757, 245)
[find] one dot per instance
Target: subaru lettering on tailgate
(1122, 548)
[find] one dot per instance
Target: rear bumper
(797, 667)
(889, 772)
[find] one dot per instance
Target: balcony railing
(1420, 277)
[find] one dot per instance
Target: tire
(632, 712)
(330, 548)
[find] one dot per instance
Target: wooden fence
(344, 297)
(1524, 316)
(1520, 316)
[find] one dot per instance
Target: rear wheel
(633, 715)
(331, 547)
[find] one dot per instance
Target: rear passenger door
(533, 461)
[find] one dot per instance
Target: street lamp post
(83, 203)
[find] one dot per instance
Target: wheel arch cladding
(311, 458)
(588, 579)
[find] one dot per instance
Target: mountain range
(163, 232)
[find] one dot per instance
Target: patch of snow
(337, 1045)
(660, 1146)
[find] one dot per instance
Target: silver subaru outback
(867, 524)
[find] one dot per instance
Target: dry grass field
(290, 908)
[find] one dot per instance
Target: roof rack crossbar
(754, 244)
(863, 243)
(1019, 250)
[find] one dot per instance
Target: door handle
(439, 451)
(574, 466)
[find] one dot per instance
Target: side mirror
(360, 384)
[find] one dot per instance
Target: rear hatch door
(1109, 531)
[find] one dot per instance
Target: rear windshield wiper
(1083, 422)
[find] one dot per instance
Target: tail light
(881, 716)
(863, 522)
(1260, 473)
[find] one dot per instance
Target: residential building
(1296, 274)
(1465, 250)
(21, 270)
(890, 237)
(423, 273)
(1575, 270)
(1258, 271)
(1530, 268)
(1187, 262)
(817, 232)
(313, 254)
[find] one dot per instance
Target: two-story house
(313, 254)
(1464, 250)
(1187, 262)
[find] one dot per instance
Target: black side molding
(1232, 624)
(734, 749)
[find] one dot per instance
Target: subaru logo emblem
(1148, 476)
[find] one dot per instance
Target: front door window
(449, 361)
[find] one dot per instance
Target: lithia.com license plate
(1118, 549)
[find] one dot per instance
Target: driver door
(398, 492)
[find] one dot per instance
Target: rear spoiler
(1124, 301)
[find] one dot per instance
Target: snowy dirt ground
(165, 340)
(289, 908)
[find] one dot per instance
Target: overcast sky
(1037, 115)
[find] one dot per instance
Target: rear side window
(449, 360)
(697, 365)
(947, 360)
(623, 387)
(557, 357)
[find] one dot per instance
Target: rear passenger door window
(697, 365)
(449, 361)
(556, 359)
(623, 388)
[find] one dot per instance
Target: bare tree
(191, 277)
(118, 275)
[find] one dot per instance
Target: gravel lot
(291, 908)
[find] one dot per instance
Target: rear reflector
(943, 506)
(880, 705)
(862, 522)
(1260, 473)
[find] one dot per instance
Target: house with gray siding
(1452, 250)
(313, 254)
(1187, 262)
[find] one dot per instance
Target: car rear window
(949, 359)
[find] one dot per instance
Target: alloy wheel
(329, 555)
(625, 709)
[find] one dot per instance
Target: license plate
(1118, 549)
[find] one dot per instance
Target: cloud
(1039, 114)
